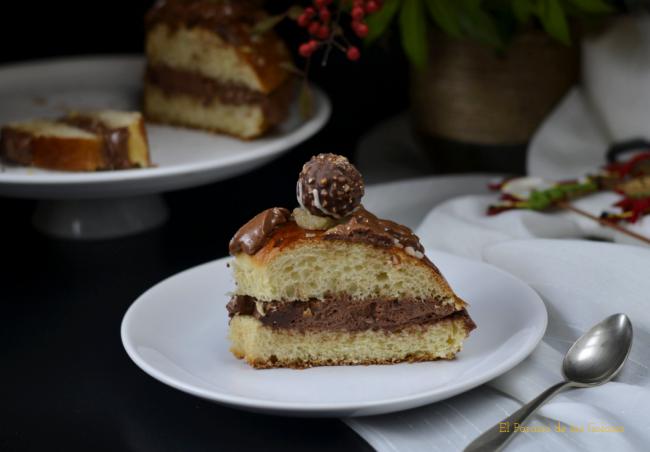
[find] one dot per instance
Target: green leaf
(294, 12)
(445, 15)
(290, 67)
(413, 28)
(554, 20)
(378, 22)
(523, 10)
(593, 6)
(267, 23)
(478, 24)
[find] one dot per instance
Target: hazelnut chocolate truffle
(329, 185)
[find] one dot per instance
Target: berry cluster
(321, 20)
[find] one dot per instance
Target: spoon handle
(496, 437)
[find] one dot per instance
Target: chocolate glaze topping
(362, 226)
(224, 17)
(329, 186)
(254, 234)
(342, 313)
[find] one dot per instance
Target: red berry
(304, 50)
(357, 13)
(309, 12)
(353, 54)
(303, 20)
(371, 7)
(320, 3)
(325, 15)
(361, 29)
(323, 32)
(307, 48)
(313, 29)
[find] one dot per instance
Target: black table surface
(66, 382)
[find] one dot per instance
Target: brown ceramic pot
(470, 94)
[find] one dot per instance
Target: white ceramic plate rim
(274, 146)
(252, 403)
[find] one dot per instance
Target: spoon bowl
(599, 354)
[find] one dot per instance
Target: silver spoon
(595, 358)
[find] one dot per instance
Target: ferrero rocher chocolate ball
(330, 186)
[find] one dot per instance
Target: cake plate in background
(116, 203)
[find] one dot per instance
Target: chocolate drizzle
(116, 140)
(227, 18)
(254, 234)
(362, 226)
(341, 313)
(16, 146)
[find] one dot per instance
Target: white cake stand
(117, 203)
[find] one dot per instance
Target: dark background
(65, 381)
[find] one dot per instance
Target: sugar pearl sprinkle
(329, 185)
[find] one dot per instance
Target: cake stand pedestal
(100, 218)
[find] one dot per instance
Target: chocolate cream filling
(176, 81)
(341, 313)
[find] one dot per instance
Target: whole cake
(332, 284)
(208, 68)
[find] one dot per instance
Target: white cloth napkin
(581, 282)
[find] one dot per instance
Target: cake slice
(332, 284)
(124, 133)
(208, 69)
(51, 144)
(92, 141)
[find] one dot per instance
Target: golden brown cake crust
(300, 364)
(67, 154)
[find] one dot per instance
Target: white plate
(183, 157)
(176, 332)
